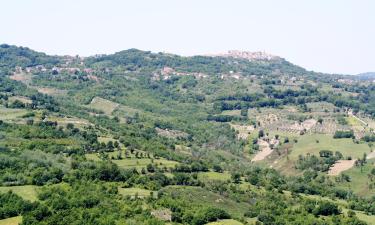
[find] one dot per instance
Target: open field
(51, 91)
(142, 163)
(103, 105)
(22, 77)
(11, 221)
(77, 122)
(133, 162)
(231, 112)
(225, 222)
(123, 110)
(359, 179)
(340, 166)
(132, 192)
(320, 106)
(8, 114)
(200, 196)
(214, 176)
(22, 99)
(353, 121)
(308, 144)
(27, 192)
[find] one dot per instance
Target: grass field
(231, 112)
(138, 163)
(106, 139)
(142, 163)
(213, 176)
(27, 192)
(308, 144)
(225, 222)
(132, 192)
(370, 219)
(63, 121)
(103, 105)
(8, 114)
(352, 121)
(22, 99)
(202, 197)
(359, 179)
(11, 221)
(50, 91)
(123, 110)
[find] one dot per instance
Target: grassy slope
(226, 222)
(200, 196)
(28, 192)
(11, 221)
(307, 144)
(359, 179)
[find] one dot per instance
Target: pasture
(11, 115)
(134, 162)
(204, 176)
(11, 221)
(27, 192)
(200, 196)
(103, 105)
(359, 179)
(225, 222)
(133, 192)
(316, 142)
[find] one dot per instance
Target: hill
(137, 137)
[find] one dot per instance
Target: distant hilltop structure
(251, 56)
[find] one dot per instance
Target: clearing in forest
(8, 114)
(133, 192)
(27, 192)
(103, 105)
(225, 222)
(11, 221)
(22, 77)
(341, 165)
(204, 176)
(50, 91)
(314, 143)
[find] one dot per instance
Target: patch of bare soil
(243, 131)
(264, 152)
(22, 77)
(162, 214)
(340, 166)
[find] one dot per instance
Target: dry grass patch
(341, 165)
(11, 221)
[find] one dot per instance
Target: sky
(332, 36)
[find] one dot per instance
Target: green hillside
(138, 137)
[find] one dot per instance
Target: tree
(261, 134)
(236, 178)
(217, 168)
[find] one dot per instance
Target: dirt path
(340, 166)
(266, 150)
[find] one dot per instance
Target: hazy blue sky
(336, 36)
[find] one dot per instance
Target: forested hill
(148, 138)
(11, 56)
